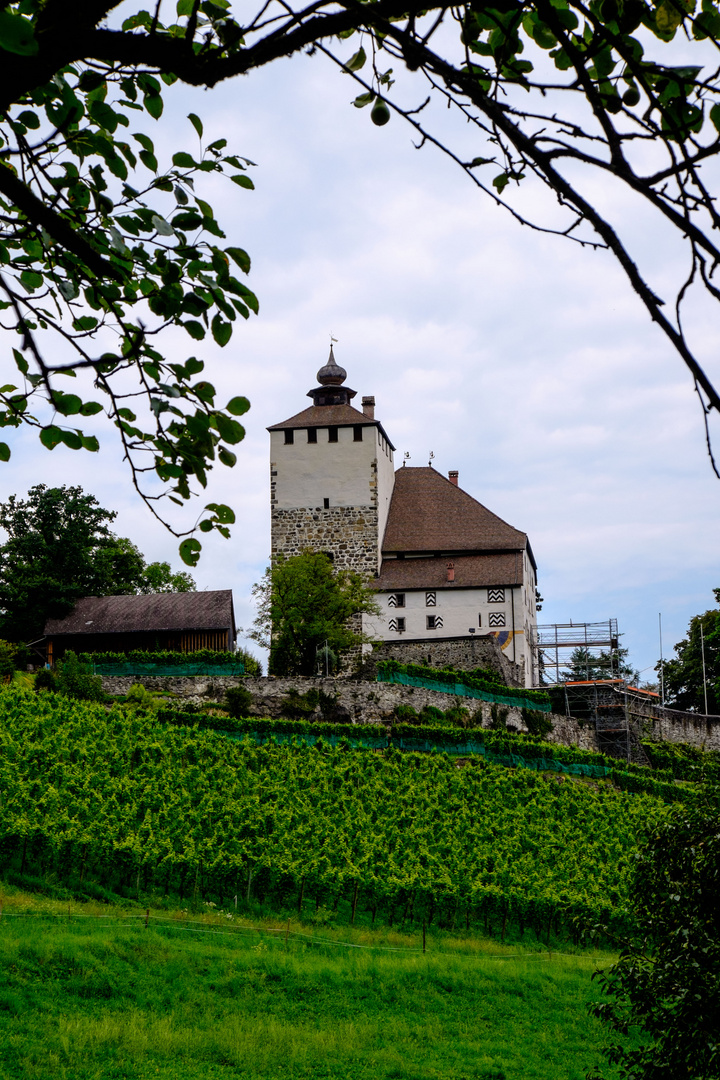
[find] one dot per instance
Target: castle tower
(331, 477)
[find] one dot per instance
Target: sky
(517, 358)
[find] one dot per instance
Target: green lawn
(101, 999)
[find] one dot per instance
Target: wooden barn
(181, 622)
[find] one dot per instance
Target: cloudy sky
(517, 358)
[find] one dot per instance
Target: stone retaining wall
(358, 702)
(465, 653)
(366, 702)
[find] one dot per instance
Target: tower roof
(331, 374)
(431, 514)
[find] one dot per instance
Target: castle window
(326, 504)
(496, 596)
(397, 624)
(480, 619)
(430, 599)
(312, 434)
(396, 599)
(332, 434)
(434, 622)
(289, 436)
(497, 618)
(357, 433)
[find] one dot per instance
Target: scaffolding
(581, 660)
(563, 650)
(603, 703)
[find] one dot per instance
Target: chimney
(451, 571)
(368, 404)
(453, 477)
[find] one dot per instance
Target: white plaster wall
(307, 473)
(385, 479)
(459, 609)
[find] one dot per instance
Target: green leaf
(67, 404)
(22, 363)
(51, 436)
(161, 226)
(221, 331)
(183, 160)
(90, 408)
(363, 99)
(205, 391)
(224, 514)
(229, 429)
(357, 61)
(501, 182)
(17, 35)
(714, 116)
(4, 452)
(31, 280)
(243, 181)
(239, 257)
(190, 551)
(89, 442)
(29, 119)
(154, 105)
(237, 406)
(196, 122)
(72, 439)
(195, 329)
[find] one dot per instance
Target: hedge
(483, 688)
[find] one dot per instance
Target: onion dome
(331, 374)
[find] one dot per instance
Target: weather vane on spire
(432, 458)
(333, 340)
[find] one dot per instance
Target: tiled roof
(324, 415)
(154, 611)
(429, 513)
(329, 416)
(471, 572)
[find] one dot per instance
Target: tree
(683, 675)
(59, 548)
(602, 665)
(667, 982)
(104, 246)
(304, 605)
(159, 577)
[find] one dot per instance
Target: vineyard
(116, 798)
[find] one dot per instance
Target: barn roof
(148, 612)
(431, 514)
(471, 572)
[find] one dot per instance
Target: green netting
(187, 667)
(461, 690)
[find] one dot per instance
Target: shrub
(429, 714)
(45, 680)
(457, 716)
(239, 701)
(251, 663)
(405, 714)
(8, 660)
(537, 723)
(498, 715)
(143, 698)
(76, 680)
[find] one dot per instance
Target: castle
(445, 568)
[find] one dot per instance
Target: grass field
(193, 997)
